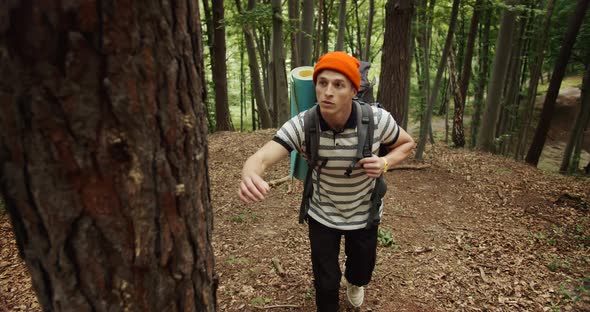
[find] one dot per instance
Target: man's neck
(337, 121)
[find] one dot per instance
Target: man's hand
(373, 166)
(253, 188)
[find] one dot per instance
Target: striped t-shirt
(340, 202)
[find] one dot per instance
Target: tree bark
(278, 81)
(219, 69)
(341, 26)
(263, 113)
(486, 136)
(569, 39)
(396, 58)
(369, 32)
(439, 73)
(294, 17)
(482, 81)
(104, 154)
(307, 32)
(317, 37)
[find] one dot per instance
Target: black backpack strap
(365, 128)
(311, 128)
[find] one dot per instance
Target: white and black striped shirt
(341, 202)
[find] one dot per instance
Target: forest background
(459, 63)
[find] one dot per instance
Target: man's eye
(323, 83)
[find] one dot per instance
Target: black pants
(360, 247)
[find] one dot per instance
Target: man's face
(334, 92)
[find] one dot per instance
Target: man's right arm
(252, 187)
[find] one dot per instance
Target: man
(340, 204)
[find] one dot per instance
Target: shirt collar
(350, 123)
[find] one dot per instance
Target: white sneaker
(355, 294)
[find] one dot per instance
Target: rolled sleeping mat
(302, 97)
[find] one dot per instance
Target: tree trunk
(263, 113)
(369, 32)
(219, 69)
(458, 133)
(483, 59)
(486, 136)
(577, 134)
(439, 73)
(326, 27)
(294, 16)
(569, 39)
(535, 76)
(317, 37)
(306, 33)
(423, 68)
(104, 154)
(341, 26)
(278, 75)
(396, 58)
(359, 47)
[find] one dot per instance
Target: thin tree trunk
(341, 26)
(219, 70)
(294, 18)
(307, 33)
(369, 32)
(577, 132)
(278, 81)
(458, 133)
(263, 113)
(486, 136)
(326, 27)
(104, 162)
(535, 75)
(317, 37)
(359, 47)
(396, 58)
(482, 81)
(439, 73)
(569, 39)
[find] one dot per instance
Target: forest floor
(471, 232)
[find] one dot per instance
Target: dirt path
(473, 232)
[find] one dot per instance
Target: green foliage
(243, 217)
(577, 289)
(259, 301)
(385, 239)
(260, 16)
(233, 260)
(555, 263)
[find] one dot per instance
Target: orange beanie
(342, 63)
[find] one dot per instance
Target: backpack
(365, 130)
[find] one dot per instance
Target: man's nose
(329, 89)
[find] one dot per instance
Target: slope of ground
(473, 232)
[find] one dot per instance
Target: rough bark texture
(294, 16)
(486, 136)
(396, 58)
(341, 26)
(567, 44)
(103, 154)
(306, 32)
(219, 69)
(278, 81)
